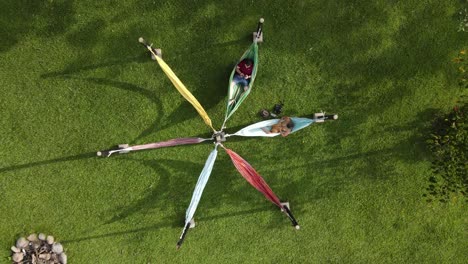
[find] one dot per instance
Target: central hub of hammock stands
(219, 137)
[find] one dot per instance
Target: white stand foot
(192, 223)
(260, 39)
(287, 205)
(319, 117)
(158, 53)
(124, 146)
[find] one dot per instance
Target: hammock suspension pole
(182, 236)
(258, 35)
(154, 52)
(285, 209)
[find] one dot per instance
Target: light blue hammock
(197, 193)
(202, 180)
(255, 130)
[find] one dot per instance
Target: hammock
(162, 144)
(255, 130)
(236, 94)
(180, 86)
(252, 176)
(202, 180)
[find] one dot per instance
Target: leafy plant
(449, 145)
(462, 61)
(463, 19)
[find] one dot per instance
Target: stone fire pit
(38, 249)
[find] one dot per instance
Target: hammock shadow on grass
(184, 112)
(47, 162)
(166, 191)
(140, 58)
(72, 69)
(187, 52)
(158, 226)
(174, 190)
(181, 114)
(133, 88)
(236, 213)
(154, 227)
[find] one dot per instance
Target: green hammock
(236, 94)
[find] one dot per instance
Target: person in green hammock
(242, 76)
(244, 72)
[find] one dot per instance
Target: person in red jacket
(242, 75)
(244, 72)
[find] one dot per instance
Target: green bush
(449, 146)
(462, 63)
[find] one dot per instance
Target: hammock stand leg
(258, 35)
(182, 237)
(286, 209)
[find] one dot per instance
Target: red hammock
(252, 176)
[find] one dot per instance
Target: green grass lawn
(74, 80)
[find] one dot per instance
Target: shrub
(449, 146)
(462, 63)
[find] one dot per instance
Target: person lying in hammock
(242, 76)
(284, 127)
(244, 73)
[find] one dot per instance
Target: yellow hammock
(180, 86)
